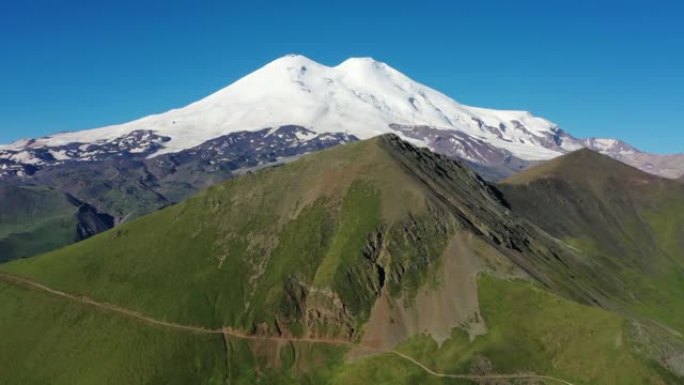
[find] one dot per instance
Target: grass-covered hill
(36, 219)
(630, 224)
(373, 262)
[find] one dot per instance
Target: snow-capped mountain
(358, 98)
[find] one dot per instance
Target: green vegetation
(47, 340)
(62, 342)
(34, 220)
(359, 217)
(345, 268)
(307, 249)
(415, 259)
(247, 253)
(629, 224)
(529, 331)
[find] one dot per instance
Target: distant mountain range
(358, 98)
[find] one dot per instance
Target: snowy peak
(368, 68)
(609, 146)
(293, 59)
(352, 64)
(360, 98)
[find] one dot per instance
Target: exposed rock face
(249, 149)
(89, 220)
(28, 160)
(232, 150)
(128, 184)
(492, 162)
(451, 302)
(497, 163)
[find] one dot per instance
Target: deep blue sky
(598, 68)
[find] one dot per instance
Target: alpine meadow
(182, 201)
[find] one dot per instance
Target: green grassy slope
(629, 223)
(70, 343)
(62, 342)
(34, 220)
(306, 250)
(66, 343)
(247, 253)
(530, 331)
(242, 253)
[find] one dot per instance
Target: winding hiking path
(478, 377)
(20, 281)
(230, 332)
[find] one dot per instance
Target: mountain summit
(360, 98)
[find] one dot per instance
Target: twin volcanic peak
(360, 98)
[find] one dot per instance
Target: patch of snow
(604, 144)
(305, 135)
(25, 157)
(60, 155)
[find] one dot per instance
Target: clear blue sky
(598, 68)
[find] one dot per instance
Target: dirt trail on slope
(230, 332)
(19, 281)
(480, 377)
